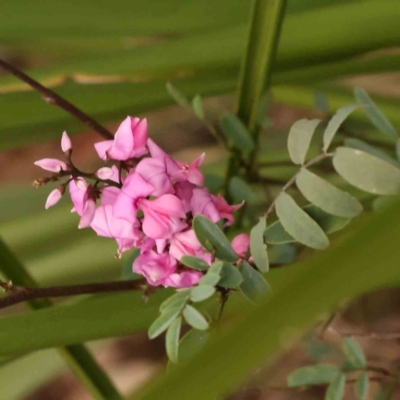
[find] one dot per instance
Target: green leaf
(172, 339)
(235, 131)
(258, 248)
(282, 254)
(211, 237)
(254, 284)
(197, 104)
(398, 150)
(213, 275)
(367, 148)
(298, 224)
(312, 375)
(326, 196)
(382, 202)
(362, 386)
(191, 344)
(367, 172)
(194, 318)
(230, 276)
(275, 233)
(335, 389)
(194, 263)
(374, 114)
(354, 353)
(176, 300)
(163, 321)
(299, 139)
(239, 189)
(335, 122)
(178, 96)
(202, 292)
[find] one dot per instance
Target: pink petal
(167, 204)
(240, 244)
(184, 243)
(103, 147)
(184, 279)
(51, 164)
(202, 203)
(53, 198)
(88, 214)
(141, 136)
(77, 192)
(123, 140)
(104, 173)
(125, 207)
(66, 144)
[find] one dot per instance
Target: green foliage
(335, 389)
(164, 321)
(367, 172)
(254, 284)
(230, 276)
(239, 189)
(178, 96)
(299, 139)
(191, 344)
(326, 196)
(236, 133)
(194, 263)
(258, 248)
(202, 292)
(197, 105)
(177, 300)
(194, 318)
(172, 339)
(335, 122)
(313, 375)
(299, 224)
(354, 353)
(374, 114)
(362, 386)
(212, 238)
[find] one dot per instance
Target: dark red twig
(53, 98)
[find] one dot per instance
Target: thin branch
(19, 294)
(292, 180)
(50, 97)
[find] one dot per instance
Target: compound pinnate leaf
(299, 224)
(213, 275)
(202, 292)
(367, 172)
(374, 114)
(235, 131)
(326, 196)
(335, 122)
(313, 375)
(254, 284)
(176, 300)
(163, 322)
(335, 389)
(354, 353)
(230, 276)
(258, 248)
(299, 139)
(194, 318)
(212, 238)
(172, 339)
(194, 263)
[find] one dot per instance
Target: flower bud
(54, 197)
(66, 144)
(104, 173)
(51, 164)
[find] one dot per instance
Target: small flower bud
(51, 164)
(54, 197)
(66, 144)
(104, 173)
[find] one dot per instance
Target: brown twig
(19, 294)
(51, 97)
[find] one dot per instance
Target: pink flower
(184, 243)
(185, 279)
(51, 164)
(241, 244)
(54, 197)
(156, 268)
(162, 216)
(202, 203)
(129, 141)
(184, 191)
(154, 171)
(88, 214)
(77, 191)
(66, 144)
(104, 173)
(133, 189)
(191, 172)
(225, 210)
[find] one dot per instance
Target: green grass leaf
(367, 172)
(324, 195)
(299, 139)
(374, 114)
(299, 224)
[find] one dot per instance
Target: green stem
(77, 356)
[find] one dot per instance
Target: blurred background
(113, 58)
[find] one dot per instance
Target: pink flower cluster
(148, 201)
